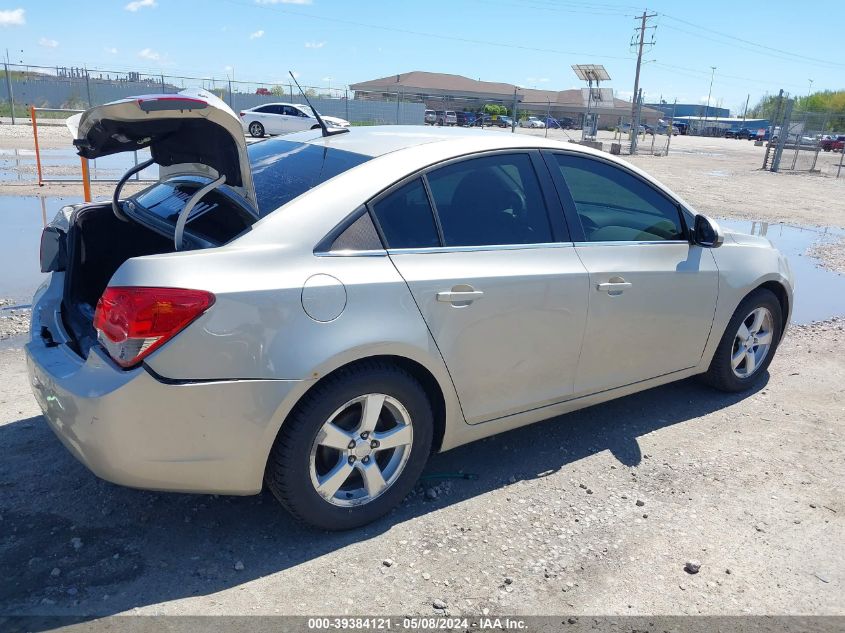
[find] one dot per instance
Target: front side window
(616, 206)
(491, 200)
(405, 217)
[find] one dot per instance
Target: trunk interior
(98, 243)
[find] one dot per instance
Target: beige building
(441, 91)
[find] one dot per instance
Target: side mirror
(707, 232)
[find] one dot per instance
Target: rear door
(270, 119)
(485, 252)
(652, 293)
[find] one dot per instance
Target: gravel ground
(594, 512)
(831, 254)
(13, 320)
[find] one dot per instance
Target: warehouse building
(688, 110)
(440, 91)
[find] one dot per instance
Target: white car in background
(532, 121)
(284, 118)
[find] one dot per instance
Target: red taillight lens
(242, 113)
(133, 322)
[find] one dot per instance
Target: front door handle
(615, 286)
(458, 296)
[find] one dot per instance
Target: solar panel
(591, 72)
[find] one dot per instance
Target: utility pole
(513, 111)
(810, 90)
(745, 111)
(709, 92)
(9, 87)
(640, 42)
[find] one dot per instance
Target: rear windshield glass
(283, 170)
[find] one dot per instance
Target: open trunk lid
(189, 133)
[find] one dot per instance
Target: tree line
(831, 102)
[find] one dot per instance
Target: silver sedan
(320, 313)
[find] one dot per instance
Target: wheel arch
(779, 290)
(427, 379)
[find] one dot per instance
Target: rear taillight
(243, 113)
(133, 322)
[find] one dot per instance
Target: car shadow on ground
(73, 544)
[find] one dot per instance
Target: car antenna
(323, 126)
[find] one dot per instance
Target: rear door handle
(452, 296)
(615, 286)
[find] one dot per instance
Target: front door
(652, 293)
(502, 290)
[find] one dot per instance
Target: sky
(756, 49)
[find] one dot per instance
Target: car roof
(378, 140)
(296, 105)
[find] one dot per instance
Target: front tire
(748, 344)
(256, 130)
(353, 448)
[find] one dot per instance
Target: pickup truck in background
(833, 143)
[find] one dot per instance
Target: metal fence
(799, 142)
(79, 88)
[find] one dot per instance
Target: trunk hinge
(183, 215)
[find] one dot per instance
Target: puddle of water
(21, 220)
(20, 165)
(819, 293)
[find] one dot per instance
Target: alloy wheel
(752, 342)
(361, 450)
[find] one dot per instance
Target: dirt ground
(595, 512)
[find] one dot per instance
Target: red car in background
(834, 143)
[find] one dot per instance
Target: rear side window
(283, 170)
(615, 206)
(491, 200)
(405, 217)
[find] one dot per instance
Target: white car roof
(281, 103)
(379, 140)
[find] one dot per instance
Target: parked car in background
(531, 122)
(446, 117)
(430, 117)
(465, 119)
(215, 335)
(506, 121)
(833, 143)
(731, 134)
(744, 133)
(284, 118)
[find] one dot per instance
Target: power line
(779, 51)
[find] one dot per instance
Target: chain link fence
(802, 141)
(80, 88)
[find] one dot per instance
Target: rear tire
(256, 130)
(740, 360)
(325, 439)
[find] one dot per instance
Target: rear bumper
(130, 428)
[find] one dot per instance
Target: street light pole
(709, 92)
